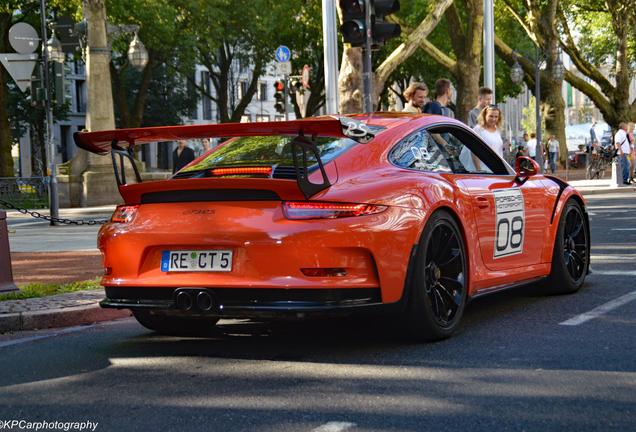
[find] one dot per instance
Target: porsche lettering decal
(509, 222)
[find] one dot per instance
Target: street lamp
(516, 75)
(54, 49)
(137, 54)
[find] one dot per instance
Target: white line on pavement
(614, 272)
(600, 310)
(623, 229)
(334, 427)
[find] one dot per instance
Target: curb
(62, 317)
(605, 191)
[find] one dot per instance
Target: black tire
(571, 254)
(439, 284)
(175, 326)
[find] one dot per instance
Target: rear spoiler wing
(103, 142)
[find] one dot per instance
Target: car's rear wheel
(175, 326)
(439, 286)
(570, 258)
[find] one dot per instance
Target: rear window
(267, 150)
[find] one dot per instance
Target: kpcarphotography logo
(27, 425)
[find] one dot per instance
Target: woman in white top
(487, 127)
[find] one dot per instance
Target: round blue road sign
(282, 54)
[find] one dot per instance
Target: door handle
(482, 202)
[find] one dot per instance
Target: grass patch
(33, 290)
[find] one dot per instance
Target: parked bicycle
(600, 161)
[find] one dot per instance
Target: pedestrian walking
(553, 153)
(593, 139)
(416, 96)
(534, 147)
(181, 156)
(632, 155)
(621, 142)
(483, 100)
(443, 95)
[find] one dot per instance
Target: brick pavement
(55, 267)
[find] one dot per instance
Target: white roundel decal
(510, 222)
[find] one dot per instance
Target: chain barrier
(64, 221)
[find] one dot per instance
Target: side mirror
(526, 167)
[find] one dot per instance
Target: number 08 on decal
(509, 222)
(196, 261)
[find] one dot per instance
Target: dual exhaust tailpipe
(197, 299)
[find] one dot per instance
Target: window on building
(262, 91)
(246, 118)
(80, 96)
(206, 102)
(242, 89)
(194, 111)
(279, 118)
(262, 117)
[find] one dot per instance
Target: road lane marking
(623, 229)
(614, 272)
(600, 310)
(334, 427)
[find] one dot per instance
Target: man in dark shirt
(443, 94)
(181, 156)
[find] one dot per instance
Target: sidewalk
(71, 256)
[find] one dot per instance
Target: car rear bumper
(242, 303)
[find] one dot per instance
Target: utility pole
(330, 44)
(53, 193)
(366, 61)
(489, 46)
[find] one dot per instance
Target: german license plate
(196, 261)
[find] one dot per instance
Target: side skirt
(499, 288)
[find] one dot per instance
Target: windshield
(268, 150)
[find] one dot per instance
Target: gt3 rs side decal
(510, 221)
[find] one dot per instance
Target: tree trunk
(350, 81)
(467, 44)
(6, 161)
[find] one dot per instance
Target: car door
(511, 217)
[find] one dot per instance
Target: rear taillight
(325, 210)
(124, 214)
(241, 171)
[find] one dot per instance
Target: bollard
(617, 176)
(6, 276)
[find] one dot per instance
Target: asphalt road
(513, 366)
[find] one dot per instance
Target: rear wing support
(301, 148)
(124, 154)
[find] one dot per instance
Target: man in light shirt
(415, 94)
(621, 142)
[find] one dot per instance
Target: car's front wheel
(175, 326)
(570, 258)
(439, 285)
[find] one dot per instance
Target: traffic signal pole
(286, 96)
(366, 61)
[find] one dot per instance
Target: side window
(468, 162)
(420, 151)
(469, 154)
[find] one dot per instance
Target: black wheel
(438, 291)
(571, 256)
(175, 326)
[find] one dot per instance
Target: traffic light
(279, 96)
(353, 28)
(382, 31)
(353, 21)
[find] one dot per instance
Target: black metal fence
(25, 192)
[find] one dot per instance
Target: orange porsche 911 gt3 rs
(333, 215)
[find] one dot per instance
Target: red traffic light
(279, 86)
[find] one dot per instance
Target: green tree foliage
(235, 40)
